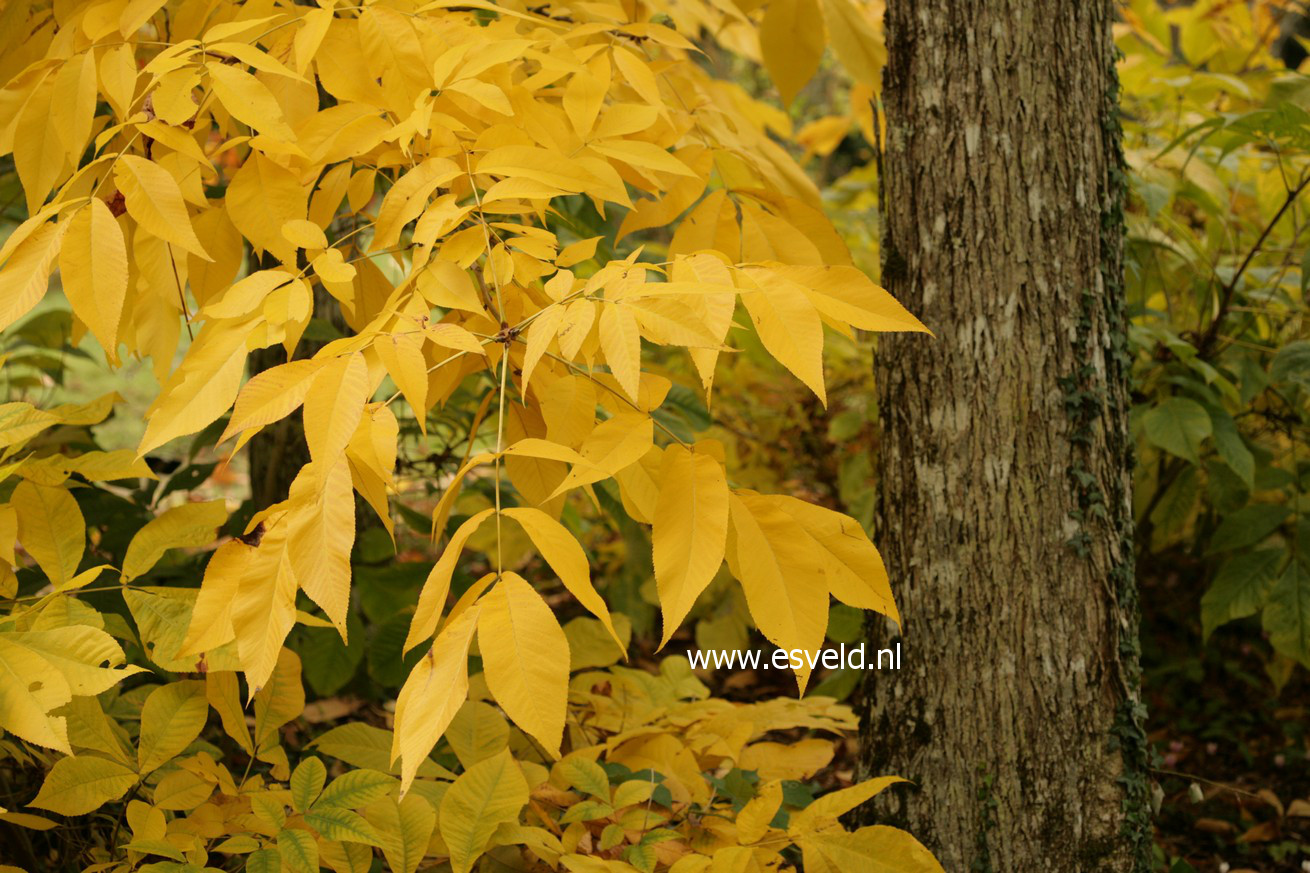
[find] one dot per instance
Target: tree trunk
(1004, 511)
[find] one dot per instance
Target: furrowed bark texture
(1004, 510)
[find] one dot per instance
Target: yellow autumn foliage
(211, 179)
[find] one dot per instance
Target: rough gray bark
(1004, 510)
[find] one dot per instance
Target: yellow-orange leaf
(155, 201)
(431, 696)
(690, 533)
(93, 264)
(526, 658)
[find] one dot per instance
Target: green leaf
(329, 663)
(298, 850)
(585, 775)
(306, 783)
(76, 786)
(1246, 527)
(1291, 366)
(1178, 426)
(1231, 447)
(477, 732)
(1240, 588)
(404, 826)
(485, 796)
(268, 808)
(363, 745)
(1287, 614)
(1175, 508)
(355, 789)
(264, 861)
(336, 823)
(1224, 488)
(188, 525)
(172, 717)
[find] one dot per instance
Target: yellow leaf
(643, 156)
(432, 599)
(404, 826)
(246, 295)
(452, 336)
(576, 253)
(26, 273)
(304, 234)
(171, 718)
(264, 611)
(402, 355)
(789, 327)
(20, 421)
(136, 13)
(846, 295)
(614, 445)
(371, 453)
(223, 693)
(579, 316)
(198, 391)
(431, 695)
(261, 198)
(39, 154)
(332, 267)
(190, 525)
(76, 786)
(753, 820)
(782, 575)
(248, 99)
(858, 46)
(487, 795)
(791, 44)
(44, 669)
(408, 198)
(298, 851)
(855, 570)
(690, 533)
(875, 849)
(155, 201)
(828, 808)
(620, 339)
(51, 529)
(583, 98)
(278, 702)
(447, 285)
(211, 617)
(73, 103)
(322, 532)
(566, 557)
(525, 656)
(271, 396)
(333, 405)
(93, 266)
(541, 333)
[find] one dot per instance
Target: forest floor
(1231, 748)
